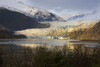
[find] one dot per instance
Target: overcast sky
(63, 8)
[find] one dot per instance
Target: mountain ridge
(13, 21)
(77, 17)
(39, 14)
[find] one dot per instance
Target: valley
(59, 30)
(49, 33)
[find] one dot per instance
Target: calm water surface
(54, 42)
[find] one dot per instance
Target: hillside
(82, 26)
(92, 33)
(18, 21)
(6, 34)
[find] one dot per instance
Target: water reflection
(49, 42)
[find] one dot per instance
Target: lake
(48, 42)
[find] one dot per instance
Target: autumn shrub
(43, 56)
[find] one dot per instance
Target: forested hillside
(87, 34)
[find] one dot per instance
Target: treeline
(87, 34)
(44, 57)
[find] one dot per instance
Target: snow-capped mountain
(36, 13)
(13, 20)
(42, 15)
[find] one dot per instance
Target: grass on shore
(42, 56)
